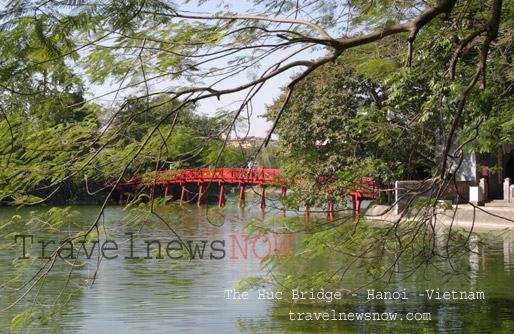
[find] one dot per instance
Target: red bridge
(365, 189)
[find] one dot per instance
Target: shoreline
(490, 217)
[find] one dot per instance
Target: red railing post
(262, 203)
(185, 193)
(242, 196)
(221, 202)
(202, 194)
(284, 192)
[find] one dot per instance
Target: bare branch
(319, 29)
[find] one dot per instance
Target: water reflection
(149, 295)
(508, 251)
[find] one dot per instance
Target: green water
(166, 296)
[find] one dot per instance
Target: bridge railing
(361, 189)
(366, 187)
(194, 175)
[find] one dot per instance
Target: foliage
(355, 130)
(380, 78)
(346, 255)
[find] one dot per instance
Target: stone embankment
(495, 215)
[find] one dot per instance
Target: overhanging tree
(436, 53)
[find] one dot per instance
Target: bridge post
(330, 207)
(284, 192)
(151, 193)
(262, 203)
(356, 203)
(166, 190)
(121, 197)
(185, 193)
(221, 202)
(242, 196)
(202, 194)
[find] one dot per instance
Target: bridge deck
(366, 188)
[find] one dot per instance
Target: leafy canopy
(369, 83)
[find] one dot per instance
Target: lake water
(166, 296)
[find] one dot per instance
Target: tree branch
(444, 7)
(465, 42)
(492, 33)
(319, 29)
